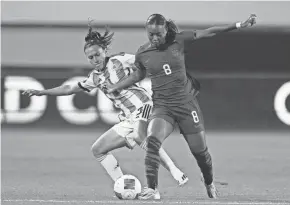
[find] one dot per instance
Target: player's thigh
(196, 142)
(108, 141)
(141, 131)
(161, 123)
(160, 128)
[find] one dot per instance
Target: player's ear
(167, 23)
(105, 50)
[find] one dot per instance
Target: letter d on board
(13, 86)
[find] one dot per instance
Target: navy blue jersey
(166, 68)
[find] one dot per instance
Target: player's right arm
(57, 91)
(87, 85)
(138, 74)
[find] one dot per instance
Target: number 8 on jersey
(167, 69)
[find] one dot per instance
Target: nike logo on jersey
(146, 61)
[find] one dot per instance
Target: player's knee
(195, 149)
(196, 142)
(203, 157)
(199, 151)
(141, 136)
(96, 150)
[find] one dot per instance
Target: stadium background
(244, 75)
(240, 72)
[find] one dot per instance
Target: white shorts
(127, 127)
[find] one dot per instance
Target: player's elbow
(68, 89)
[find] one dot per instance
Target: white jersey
(118, 68)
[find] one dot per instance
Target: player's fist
(32, 92)
(249, 22)
(107, 87)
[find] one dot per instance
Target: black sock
(205, 164)
(152, 161)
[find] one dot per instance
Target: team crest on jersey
(146, 61)
(175, 52)
(116, 64)
(99, 79)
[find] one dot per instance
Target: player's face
(156, 34)
(96, 55)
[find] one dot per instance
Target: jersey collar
(101, 71)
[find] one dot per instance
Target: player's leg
(199, 149)
(140, 137)
(107, 142)
(192, 128)
(160, 127)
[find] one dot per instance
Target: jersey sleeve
(138, 62)
(88, 84)
(188, 35)
(130, 60)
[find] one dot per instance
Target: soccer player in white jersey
(135, 104)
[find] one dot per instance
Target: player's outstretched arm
(136, 76)
(57, 91)
(212, 31)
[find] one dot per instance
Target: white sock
(111, 165)
(175, 172)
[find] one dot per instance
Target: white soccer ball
(127, 187)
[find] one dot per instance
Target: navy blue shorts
(188, 116)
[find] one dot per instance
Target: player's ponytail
(95, 38)
(172, 30)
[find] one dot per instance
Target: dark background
(240, 73)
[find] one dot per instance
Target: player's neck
(159, 47)
(101, 71)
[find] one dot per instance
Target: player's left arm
(139, 73)
(212, 31)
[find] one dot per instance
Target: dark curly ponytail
(95, 38)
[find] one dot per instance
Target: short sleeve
(88, 84)
(138, 62)
(188, 35)
(130, 60)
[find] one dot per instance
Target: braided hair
(95, 38)
(158, 19)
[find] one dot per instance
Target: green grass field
(57, 167)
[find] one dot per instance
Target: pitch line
(143, 202)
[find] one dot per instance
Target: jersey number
(167, 69)
(195, 116)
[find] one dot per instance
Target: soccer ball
(127, 187)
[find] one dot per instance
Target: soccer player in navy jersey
(174, 101)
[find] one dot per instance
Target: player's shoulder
(143, 48)
(121, 57)
(92, 73)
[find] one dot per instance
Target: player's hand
(31, 92)
(108, 88)
(249, 22)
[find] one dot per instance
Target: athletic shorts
(130, 124)
(188, 116)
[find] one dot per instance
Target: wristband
(238, 25)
